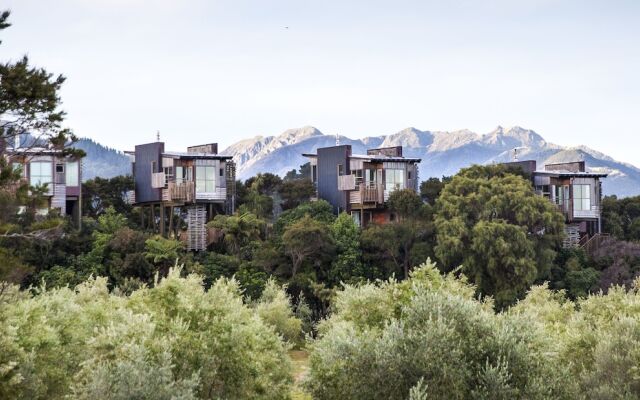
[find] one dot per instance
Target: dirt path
(300, 361)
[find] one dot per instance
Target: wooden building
(179, 190)
(575, 191)
(360, 184)
(59, 173)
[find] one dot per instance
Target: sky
(204, 71)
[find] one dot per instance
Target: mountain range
(442, 153)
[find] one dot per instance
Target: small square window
(59, 168)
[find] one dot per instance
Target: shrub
(430, 335)
(174, 340)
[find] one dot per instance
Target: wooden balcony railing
(368, 193)
(183, 192)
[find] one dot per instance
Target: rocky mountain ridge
(442, 153)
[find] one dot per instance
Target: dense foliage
(430, 337)
(622, 217)
(172, 341)
(503, 235)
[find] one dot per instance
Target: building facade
(182, 187)
(59, 173)
(575, 191)
(360, 184)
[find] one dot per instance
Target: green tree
(319, 210)
(387, 340)
(406, 203)
(490, 222)
(238, 230)
(304, 239)
(621, 217)
(264, 183)
(347, 264)
(296, 192)
(100, 194)
(275, 308)
(29, 102)
(304, 172)
(163, 252)
(259, 204)
(175, 340)
(431, 188)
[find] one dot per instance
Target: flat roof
(184, 154)
(374, 158)
(568, 174)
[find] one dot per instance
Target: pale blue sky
(203, 71)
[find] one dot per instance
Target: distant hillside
(102, 161)
(442, 153)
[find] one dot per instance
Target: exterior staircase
(593, 243)
(571, 237)
(196, 228)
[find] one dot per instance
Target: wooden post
(170, 221)
(162, 218)
(153, 217)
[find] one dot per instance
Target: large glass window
(205, 178)
(40, 173)
(582, 197)
(72, 174)
(394, 179)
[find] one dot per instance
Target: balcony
(157, 180)
(218, 194)
(347, 182)
(367, 193)
(571, 213)
(181, 192)
(594, 212)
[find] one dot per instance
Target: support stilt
(162, 220)
(170, 221)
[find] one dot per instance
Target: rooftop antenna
(337, 140)
(157, 136)
(515, 152)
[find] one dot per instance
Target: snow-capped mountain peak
(442, 153)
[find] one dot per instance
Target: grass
(300, 361)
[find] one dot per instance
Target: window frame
(394, 179)
(40, 175)
(581, 197)
(205, 179)
(72, 167)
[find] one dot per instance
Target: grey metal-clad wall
(327, 171)
(145, 154)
